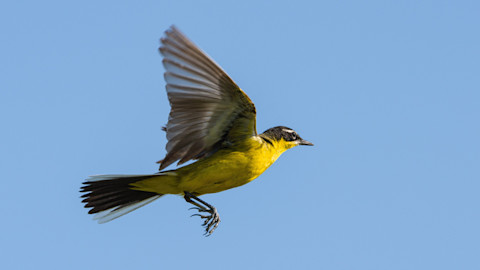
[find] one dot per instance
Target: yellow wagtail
(212, 121)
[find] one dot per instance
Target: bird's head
(284, 137)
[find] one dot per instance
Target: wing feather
(206, 105)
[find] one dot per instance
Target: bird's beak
(304, 142)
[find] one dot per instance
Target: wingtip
(172, 29)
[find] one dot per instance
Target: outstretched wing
(207, 107)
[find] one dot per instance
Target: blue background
(388, 91)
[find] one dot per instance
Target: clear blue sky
(388, 91)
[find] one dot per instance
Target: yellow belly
(223, 170)
(220, 172)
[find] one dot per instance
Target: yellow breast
(228, 168)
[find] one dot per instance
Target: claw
(201, 216)
(212, 223)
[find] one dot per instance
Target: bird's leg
(212, 220)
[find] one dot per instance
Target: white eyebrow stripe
(288, 130)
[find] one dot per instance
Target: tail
(112, 196)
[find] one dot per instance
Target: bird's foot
(211, 220)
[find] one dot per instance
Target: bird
(212, 123)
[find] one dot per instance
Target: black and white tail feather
(111, 196)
